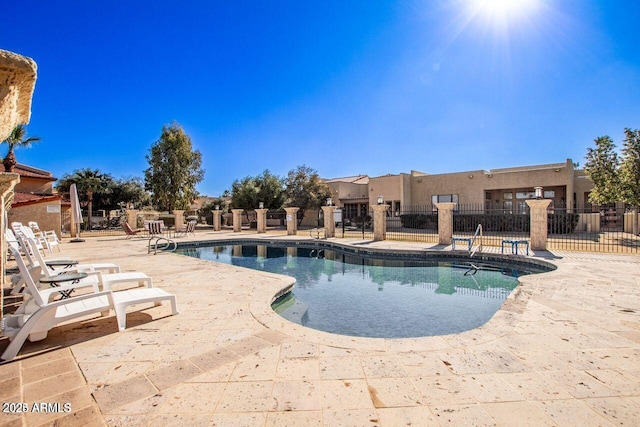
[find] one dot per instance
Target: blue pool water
(368, 297)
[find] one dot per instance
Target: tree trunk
(89, 207)
(10, 161)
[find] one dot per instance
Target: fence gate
(356, 224)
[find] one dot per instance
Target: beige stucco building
(504, 189)
(35, 200)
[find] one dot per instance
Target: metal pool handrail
(168, 245)
(472, 250)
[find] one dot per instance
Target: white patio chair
(36, 316)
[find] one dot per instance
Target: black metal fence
(413, 223)
(593, 228)
(497, 224)
(99, 226)
(276, 220)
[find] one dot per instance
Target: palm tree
(17, 138)
(88, 181)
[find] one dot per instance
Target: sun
(503, 8)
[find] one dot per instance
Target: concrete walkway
(563, 350)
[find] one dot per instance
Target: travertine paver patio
(563, 350)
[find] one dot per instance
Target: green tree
(602, 167)
(630, 172)
(270, 190)
(174, 170)
(88, 182)
(17, 138)
(305, 190)
(616, 178)
(129, 191)
(248, 192)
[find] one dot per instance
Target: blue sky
(346, 87)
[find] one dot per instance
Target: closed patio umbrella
(76, 212)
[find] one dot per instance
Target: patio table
(55, 281)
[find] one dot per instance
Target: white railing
(472, 249)
(318, 233)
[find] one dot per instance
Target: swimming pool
(375, 295)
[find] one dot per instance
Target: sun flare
(503, 7)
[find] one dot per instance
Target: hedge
(557, 223)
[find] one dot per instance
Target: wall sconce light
(490, 175)
(261, 205)
(380, 200)
(538, 193)
(470, 176)
(216, 207)
(329, 201)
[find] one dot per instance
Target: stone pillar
(445, 222)
(132, 218)
(329, 221)
(217, 220)
(538, 209)
(17, 81)
(261, 218)
(7, 182)
(379, 222)
(237, 220)
(292, 221)
(179, 219)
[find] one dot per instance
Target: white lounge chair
(104, 281)
(23, 232)
(36, 316)
(105, 267)
(50, 235)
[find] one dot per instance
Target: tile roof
(358, 179)
(31, 172)
(23, 199)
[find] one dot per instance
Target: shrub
(562, 223)
(491, 222)
(360, 219)
(421, 221)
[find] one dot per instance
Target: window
(396, 207)
(444, 198)
(507, 196)
(522, 207)
(550, 194)
(525, 195)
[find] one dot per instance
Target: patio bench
(460, 239)
(514, 245)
